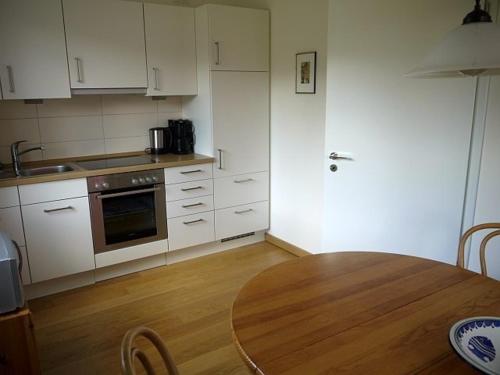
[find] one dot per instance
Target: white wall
(297, 123)
(488, 197)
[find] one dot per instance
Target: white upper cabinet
(241, 122)
(33, 63)
(170, 49)
(239, 38)
(106, 47)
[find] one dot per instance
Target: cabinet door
(33, 62)
(106, 46)
(170, 49)
(241, 122)
(239, 38)
(58, 238)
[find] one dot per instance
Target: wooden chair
(130, 352)
(482, 248)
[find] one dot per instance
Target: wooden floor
(188, 304)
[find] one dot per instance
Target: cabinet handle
(157, 84)
(59, 209)
(220, 158)
(189, 172)
(79, 70)
(243, 181)
(217, 54)
(193, 205)
(193, 222)
(243, 212)
(193, 188)
(10, 73)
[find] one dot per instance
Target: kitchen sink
(46, 170)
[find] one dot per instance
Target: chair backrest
(482, 248)
(129, 352)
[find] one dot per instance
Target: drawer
(242, 189)
(53, 191)
(9, 197)
(238, 220)
(189, 190)
(12, 224)
(188, 173)
(190, 206)
(191, 230)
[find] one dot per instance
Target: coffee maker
(183, 137)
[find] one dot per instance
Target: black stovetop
(116, 162)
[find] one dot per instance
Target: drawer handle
(59, 209)
(193, 222)
(243, 212)
(189, 172)
(193, 188)
(243, 181)
(193, 205)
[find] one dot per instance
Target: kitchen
(90, 90)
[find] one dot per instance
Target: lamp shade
(469, 50)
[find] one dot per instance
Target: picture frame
(305, 73)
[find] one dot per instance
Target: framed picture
(305, 79)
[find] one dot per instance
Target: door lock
(334, 168)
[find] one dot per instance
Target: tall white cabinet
(231, 113)
(33, 61)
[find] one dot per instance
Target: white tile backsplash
(83, 125)
(18, 130)
(73, 148)
(16, 109)
(131, 125)
(122, 104)
(126, 144)
(61, 129)
(85, 105)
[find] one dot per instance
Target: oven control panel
(125, 180)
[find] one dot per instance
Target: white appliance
(11, 286)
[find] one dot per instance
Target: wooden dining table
(358, 313)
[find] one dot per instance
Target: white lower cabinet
(191, 230)
(243, 219)
(190, 206)
(59, 238)
(25, 271)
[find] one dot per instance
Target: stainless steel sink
(46, 170)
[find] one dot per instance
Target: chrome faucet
(15, 153)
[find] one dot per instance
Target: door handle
(336, 156)
(157, 84)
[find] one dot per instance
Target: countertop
(162, 161)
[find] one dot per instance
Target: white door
(240, 103)
(106, 47)
(488, 197)
(239, 38)
(33, 62)
(409, 138)
(58, 238)
(171, 50)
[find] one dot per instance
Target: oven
(127, 209)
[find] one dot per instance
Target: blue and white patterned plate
(477, 340)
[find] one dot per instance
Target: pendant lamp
(473, 49)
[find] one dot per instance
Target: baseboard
(286, 246)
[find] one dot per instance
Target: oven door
(128, 217)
